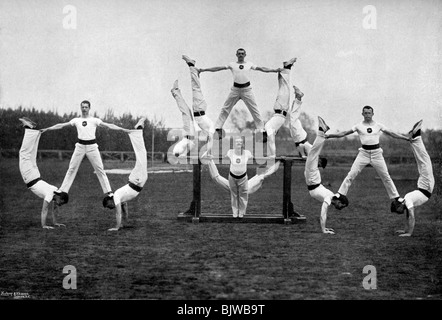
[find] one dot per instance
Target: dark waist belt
(30, 184)
(198, 113)
(425, 192)
(135, 187)
(241, 85)
(300, 142)
(284, 113)
(238, 177)
(313, 186)
(86, 142)
(370, 147)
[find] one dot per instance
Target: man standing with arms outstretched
(86, 146)
(369, 132)
(241, 89)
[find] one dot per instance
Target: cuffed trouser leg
(231, 100)
(198, 101)
(249, 100)
(360, 162)
(378, 163)
(28, 155)
(425, 168)
(138, 175)
(283, 97)
(311, 172)
(186, 113)
(93, 154)
(74, 164)
(239, 194)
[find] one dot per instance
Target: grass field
(159, 257)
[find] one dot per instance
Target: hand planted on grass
(405, 235)
(48, 227)
(329, 231)
(113, 229)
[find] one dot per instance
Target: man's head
(241, 54)
(108, 202)
(367, 113)
(60, 198)
(85, 107)
(339, 201)
(238, 142)
(398, 206)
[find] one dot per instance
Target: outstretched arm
(265, 69)
(411, 222)
(323, 219)
(396, 135)
(213, 69)
(118, 217)
(114, 127)
(55, 208)
(339, 134)
(44, 214)
(56, 126)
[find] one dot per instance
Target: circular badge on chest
(238, 160)
(369, 130)
(241, 66)
(84, 123)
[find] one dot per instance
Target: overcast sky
(125, 55)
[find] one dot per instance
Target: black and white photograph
(220, 156)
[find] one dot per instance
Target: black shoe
(416, 131)
(220, 133)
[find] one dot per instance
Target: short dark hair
(63, 196)
(87, 102)
(107, 201)
(367, 107)
(241, 49)
(342, 199)
(398, 206)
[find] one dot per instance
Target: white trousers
(426, 178)
(28, 155)
(424, 165)
(376, 159)
(138, 174)
(282, 103)
(247, 96)
(93, 154)
(186, 113)
(239, 195)
(297, 132)
(311, 171)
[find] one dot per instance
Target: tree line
(11, 133)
